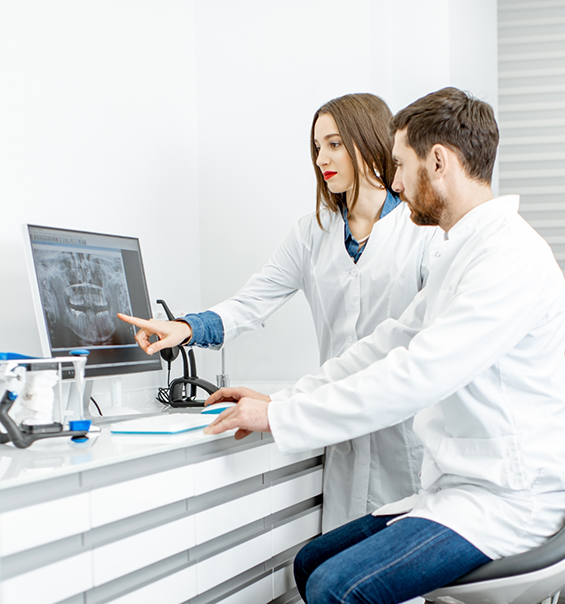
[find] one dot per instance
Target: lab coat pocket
(496, 460)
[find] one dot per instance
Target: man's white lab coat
(348, 301)
(478, 358)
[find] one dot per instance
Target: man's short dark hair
(457, 120)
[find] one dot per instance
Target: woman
(359, 260)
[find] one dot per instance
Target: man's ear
(438, 160)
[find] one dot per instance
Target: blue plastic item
(80, 424)
(14, 356)
(80, 352)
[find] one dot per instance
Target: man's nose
(397, 185)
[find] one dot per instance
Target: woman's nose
(321, 159)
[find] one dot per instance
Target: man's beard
(427, 207)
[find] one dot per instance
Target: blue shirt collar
(351, 244)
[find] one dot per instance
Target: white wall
(98, 132)
(186, 123)
(262, 73)
(444, 43)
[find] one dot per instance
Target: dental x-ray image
(81, 294)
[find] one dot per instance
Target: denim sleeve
(207, 329)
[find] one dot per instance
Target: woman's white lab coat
(478, 357)
(348, 301)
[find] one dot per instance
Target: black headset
(176, 394)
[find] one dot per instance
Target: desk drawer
(283, 581)
(49, 584)
(221, 471)
(132, 497)
(35, 525)
(259, 592)
(132, 553)
(278, 460)
(290, 492)
(174, 589)
(296, 531)
(229, 516)
(232, 562)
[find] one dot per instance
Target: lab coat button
(354, 272)
(369, 499)
(438, 489)
(438, 254)
(350, 339)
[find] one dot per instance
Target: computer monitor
(80, 280)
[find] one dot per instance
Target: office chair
(529, 578)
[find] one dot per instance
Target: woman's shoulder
(309, 225)
(307, 232)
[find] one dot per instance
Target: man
(477, 358)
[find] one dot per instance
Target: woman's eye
(334, 144)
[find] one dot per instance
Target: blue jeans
(366, 561)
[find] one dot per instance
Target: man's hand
(249, 415)
(170, 333)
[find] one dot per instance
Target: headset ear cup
(170, 354)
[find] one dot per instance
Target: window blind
(531, 78)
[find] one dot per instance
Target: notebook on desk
(173, 423)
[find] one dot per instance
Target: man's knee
(301, 562)
(304, 564)
(330, 584)
(320, 587)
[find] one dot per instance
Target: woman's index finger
(133, 320)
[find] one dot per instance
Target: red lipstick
(328, 175)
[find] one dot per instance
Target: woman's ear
(377, 181)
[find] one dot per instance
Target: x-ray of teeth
(82, 292)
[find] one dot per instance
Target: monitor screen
(80, 281)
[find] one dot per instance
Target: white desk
(155, 519)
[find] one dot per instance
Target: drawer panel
(290, 492)
(232, 562)
(296, 531)
(132, 553)
(132, 497)
(283, 581)
(228, 469)
(174, 589)
(35, 525)
(231, 515)
(260, 592)
(277, 460)
(49, 584)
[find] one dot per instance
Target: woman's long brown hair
(363, 123)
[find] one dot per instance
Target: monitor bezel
(41, 320)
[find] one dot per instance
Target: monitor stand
(116, 407)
